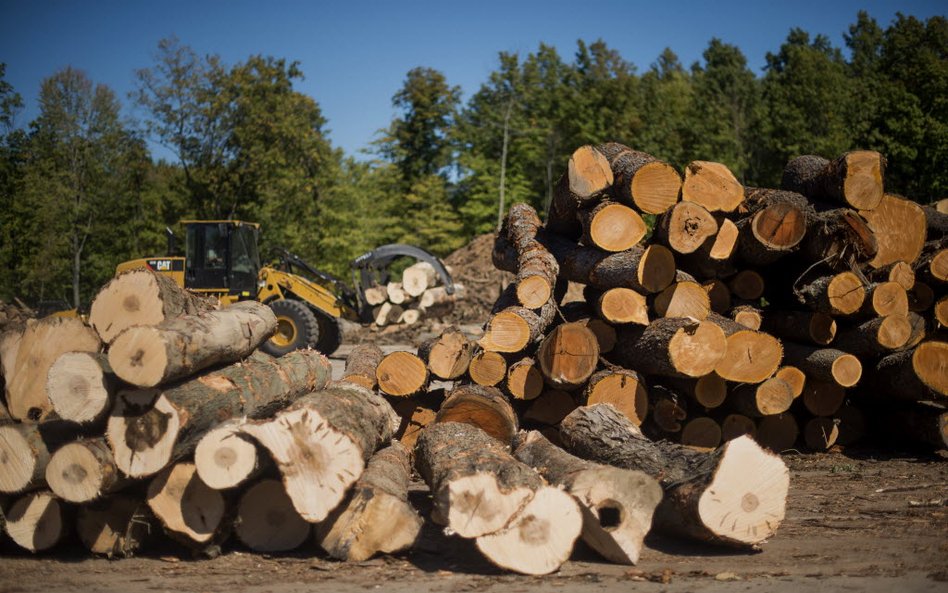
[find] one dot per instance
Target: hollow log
(149, 356)
(321, 443)
(447, 356)
(853, 179)
(266, 520)
(735, 495)
(617, 504)
(148, 429)
(685, 227)
(377, 516)
(141, 297)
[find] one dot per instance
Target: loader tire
(297, 327)
(330, 333)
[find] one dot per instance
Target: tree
(418, 141)
(667, 99)
(11, 153)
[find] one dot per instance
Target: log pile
(418, 295)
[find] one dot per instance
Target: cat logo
(161, 265)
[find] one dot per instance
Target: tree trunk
(713, 186)
(191, 513)
(449, 355)
(512, 329)
(671, 347)
(854, 179)
(824, 364)
(712, 497)
(708, 391)
(483, 407)
(149, 429)
(81, 387)
(748, 315)
(568, 356)
(226, 458)
(141, 297)
(42, 343)
(641, 180)
(622, 388)
(401, 374)
(612, 227)
(37, 521)
(362, 364)
(118, 525)
(747, 284)
(266, 520)
(154, 355)
(617, 504)
(83, 471)
(321, 442)
(377, 517)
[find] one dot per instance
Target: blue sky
(355, 54)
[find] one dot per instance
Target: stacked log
(418, 295)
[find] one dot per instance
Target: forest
(80, 190)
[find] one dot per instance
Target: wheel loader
(221, 259)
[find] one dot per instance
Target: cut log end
(78, 388)
(17, 461)
(847, 370)
(139, 356)
(655, 187)
(185, 505)
(793, 377)
(713, 186)
(568, 355)
(506, 332)
(748, 285)
(589, 172)
(750, 357)
(225, 457)
(623, 305)
(862, 186)
(477, 506)
(846, 293)
(534, 291)
(524, 380)
(75, 474)
(696, 350)
(710, 390)
(36, 521)
(615, 227)
(656, 269)
(401, 374)
(701, 433)
(930, 361)
(777, 433)
(267, 521)
(625, 390)
(541, 536)
(142, 430)
(683, 299)
(746, 500)
(115, 526)
(780, 226)
(488, 368)
(689, 226)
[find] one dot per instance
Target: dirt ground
(856, 521)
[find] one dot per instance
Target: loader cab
(221, 257)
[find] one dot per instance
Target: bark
(448, 356)
(537, 269)
(671, 347)
(824, 364)
(853, 179)
(361, 365)
(641, 180)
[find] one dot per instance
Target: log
(225, 457)
(375, 295)
(483, 407)
(921, 298)
(644, 269)
(447, 356)
(396, 295)
(477, 488)
(524, 379)
(550, 408)
(118, 525)
(839, 238)
(824, 364)
(362, 364)
(588, 176)
(612, 227)
(884, 299)
(387, 314)
(141, 297)
(708, 391)
(900, 229)
(735, 495)
(37, 521)
(415, 415)
(820, 433)
(377, 517)
(401, 374)
(568, 356)
(840, 294)
(321, 443)
(940, 312)
(876, 336)
(10, 339)
(934, 265)
(918, 331)
(701, 432)
(514, 328)
(775, 227)
(436, 301)
(800, 326)
(149, 356)
(777, 433)
(685, 227)
(770, 397)
(668, 409)
(149, 429)
(617, 505)
(793, 377)
(671, 347)
(925, 422)
(747, 284)
(719, 295)
(537, 269)
(749, 356)
(488, 368)
(737, 425)
(748, 315)
(41, 344)
(717, 255)
(266, 520)
(622, 305)
(822, 398)
(81, 387)
(83, 471)
(898, 272)
(191, 513)
(578, 311)
(409, 317)
(641, 180)
(684, 298)
(417, 278)
(853, 179)
(622, 388)
(713, 186)
(917, 374)
(25, 451)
